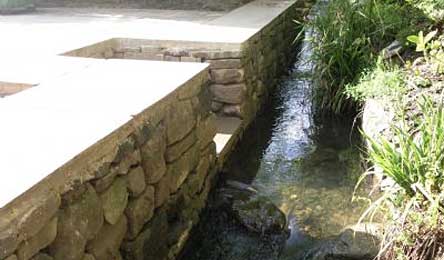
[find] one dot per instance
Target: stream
(304, 164)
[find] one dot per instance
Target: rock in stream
(357, 242)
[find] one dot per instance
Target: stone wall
(137, 193)
(242, 75)
(133, 195)
(268, 55)
(212, 5)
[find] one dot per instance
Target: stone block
(162, 191)
(217, 54)
(106, 245)
(152, 152)
(179, 169)
(216, 106)
(204, 98)
(176, 150)
(176, 52)
(227, 76)
(31, 217)
(103, 183)
(114, 200)
(131, 159)
(180, 121)
(232, 110)
(206, 131)
(88, 257)
(131, 49)
(143, 56)
(42, 256)
(140, 210)
(193, 87)
(225, 64)
(180, 236)
(196, 180)
(33, 245)
(77, 223)
(8, 240)
(151, 242)
(136, 181)
(231, 94)
(151, 48)
(190, 59)
(135, 249)
(171, 58)
(126, 148)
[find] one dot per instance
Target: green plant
(422, 43)
(414, 159)
(433, 51)
(381, 83)
(349, 36)
(434, 9)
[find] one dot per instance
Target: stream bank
(305, 165)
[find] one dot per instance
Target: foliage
(433, 50)
(433, 8)
(381, 82)
(414, 160)
(349, 36)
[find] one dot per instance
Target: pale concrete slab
(44, 127)
(254, 15)
(226, 128)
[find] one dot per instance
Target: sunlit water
(307, 167)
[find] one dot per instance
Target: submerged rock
(260, 215)
(254, 212)
(358, 242)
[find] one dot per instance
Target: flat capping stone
(10, 88)
(83, 165)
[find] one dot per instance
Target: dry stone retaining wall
(137, 193)
(242, 75)
(134, 195)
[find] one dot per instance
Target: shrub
(380, 83)
(350, 35)
(414, 159)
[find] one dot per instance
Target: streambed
(304, 164)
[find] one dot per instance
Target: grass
(434, 9)
(382, 82)
(414, 160)
(350, 35)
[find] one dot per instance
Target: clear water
(307, 167)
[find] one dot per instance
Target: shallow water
(307, 167)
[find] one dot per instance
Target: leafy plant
(350, 35)
(381, 82)
(433, 51)
(422, 43)
(414, 160)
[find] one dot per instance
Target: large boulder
(254, 212)
(358, 242)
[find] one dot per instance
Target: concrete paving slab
(45, 127)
